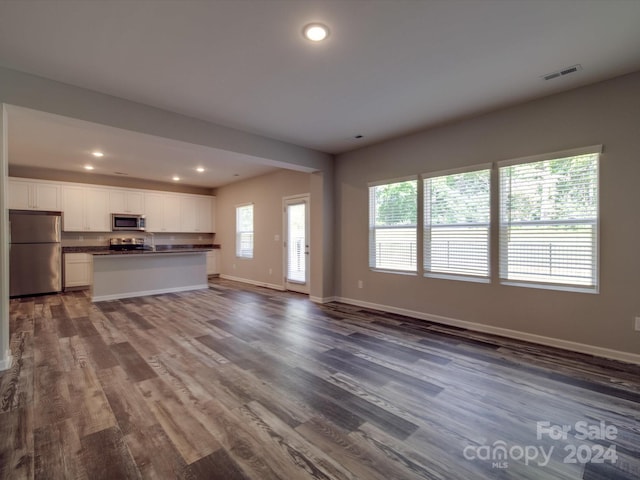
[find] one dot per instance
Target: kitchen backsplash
(91, 239)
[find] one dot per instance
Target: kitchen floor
(241, 382)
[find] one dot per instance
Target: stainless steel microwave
(127, 222)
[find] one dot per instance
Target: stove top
(127, 243)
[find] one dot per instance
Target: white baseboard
(7, 361)
(144, 293)
(272, 286)
(504, 332)
(322, 299)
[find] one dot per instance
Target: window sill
(397, 272)
(549, 286)
(460, 278)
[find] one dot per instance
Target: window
(393, 226)
(549, 221)
(457, 210)
(244, 231)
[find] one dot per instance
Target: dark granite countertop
(150, 252)
(104, 250)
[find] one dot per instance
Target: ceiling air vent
(563, 72)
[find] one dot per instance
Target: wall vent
(563, 72)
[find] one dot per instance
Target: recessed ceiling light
(316, 32)
(88, 167)
(176, 178)
(200, 169)
(97, 154)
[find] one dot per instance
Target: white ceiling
(44, 140)
(389, 66)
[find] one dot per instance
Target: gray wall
(607, 113)
(266, 193)
(30, 91)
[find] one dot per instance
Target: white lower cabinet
(213, 262)
(77, 269)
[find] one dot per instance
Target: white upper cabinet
(85, 209)
(126, 201)
(162, 212)
(88, 208)
(195, 214)
(33, 195)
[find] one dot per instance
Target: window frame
(426, 252)
(502, 225)
(372, 228)
(240, 232)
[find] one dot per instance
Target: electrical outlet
(276, 237)
(270, 271)
(360, 284)
(637, 326)
(234, 266)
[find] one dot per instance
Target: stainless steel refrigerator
(35, 258)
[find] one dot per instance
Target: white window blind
(549, 222)
(456, 224)
(244, 231)
(393, 226)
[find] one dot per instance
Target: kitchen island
(138, 273)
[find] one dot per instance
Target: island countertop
(104, 250)
(150, 252)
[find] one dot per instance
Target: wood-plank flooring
(241, 382)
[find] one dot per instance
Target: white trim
(323, 299)
(5, 335)
(379, 183)
(573, 152)
(7, 361)
(455, 171)
(299, 196)
(299, 199)
(144, 293)
(560, 287)
(504, 332)
(272, 286)
(457, 277)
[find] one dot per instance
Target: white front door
(296, 244)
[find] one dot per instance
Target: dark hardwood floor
(240, 382)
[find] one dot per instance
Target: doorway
(296, 243)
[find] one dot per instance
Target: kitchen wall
(607, 113)
(266, 193)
